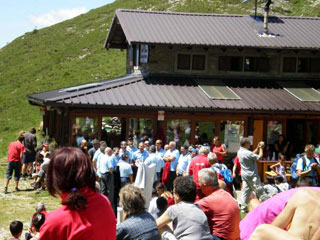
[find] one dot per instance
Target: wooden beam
(193, 130)
(99, 128)
(127, 127)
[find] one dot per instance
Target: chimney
(266, 17)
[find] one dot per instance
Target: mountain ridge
(71, 53)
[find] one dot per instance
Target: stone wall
(162, 59)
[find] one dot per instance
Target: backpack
(294, 174)
(227, 176)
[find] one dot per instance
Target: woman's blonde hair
(131, 200)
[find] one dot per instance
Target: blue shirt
(183, 163)
(132, 149)
(161, 152)
(174, 153)
(157, 160)
(116, 159)
(105, 163)
(125, 168)
(140, 155)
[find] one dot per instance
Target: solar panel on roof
(305, 94)
(301, 91)
(218, 91)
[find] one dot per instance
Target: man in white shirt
(183, 162)
(156, 159)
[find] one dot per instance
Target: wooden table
(273, 174)
(264, 166)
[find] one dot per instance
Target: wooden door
(257, 132)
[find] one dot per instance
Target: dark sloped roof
(172, 28)
(178, 93)
(55, 95)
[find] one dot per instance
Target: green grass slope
(71, 53)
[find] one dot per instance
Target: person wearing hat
(193, 153)
(45, 150)
(93, 150)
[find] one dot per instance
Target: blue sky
(20, 16)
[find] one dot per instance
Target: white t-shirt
(153, 210)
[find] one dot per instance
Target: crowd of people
(191, 195)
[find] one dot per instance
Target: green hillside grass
(72, 53)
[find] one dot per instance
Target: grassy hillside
(71, 53)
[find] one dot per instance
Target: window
(249, 64)
(315, 65)
(198, 62)
(112, 131)
(230, 133)
(256, 64)
(224, 63)
(313, 131)
(274, 129)
(227, 63)
(301, 65)
(204, 132)
(136, 55)
(289, 64)
(84, 127)
(184, 61)
(194, 62)
(179, 130)
(296, 135)
(262, 64)
(140, 127)
(236, 64)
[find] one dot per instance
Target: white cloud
(55, 16)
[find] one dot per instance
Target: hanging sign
(144, 53)
(160, 115)
(42, 111)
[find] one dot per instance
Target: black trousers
(173, 176)
(107, 188)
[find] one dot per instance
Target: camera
(261, 144)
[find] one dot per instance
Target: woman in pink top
(85, 214)
(219, 149)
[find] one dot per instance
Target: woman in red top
(85, 214)
(219, 149)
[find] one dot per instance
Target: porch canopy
(183, 93)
